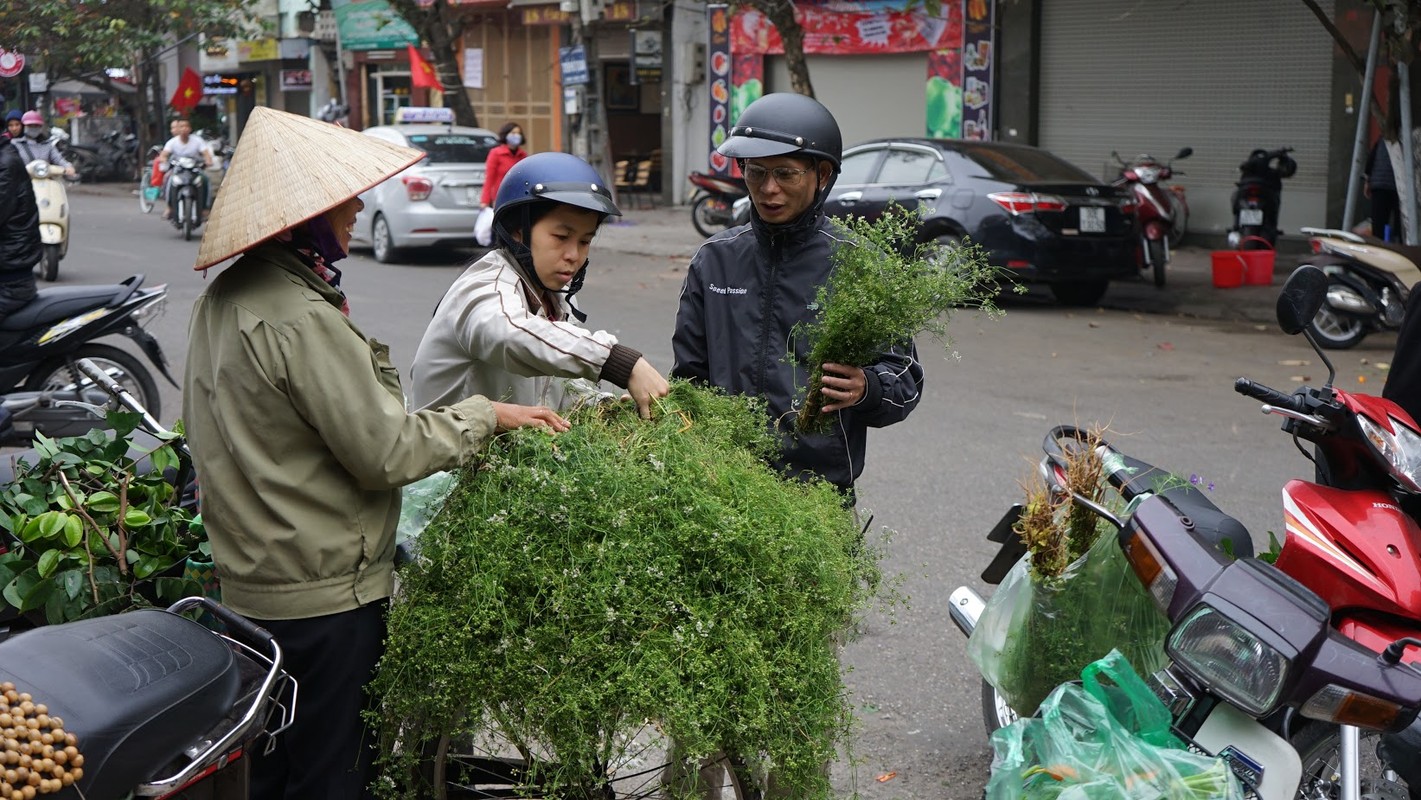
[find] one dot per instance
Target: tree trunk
(441, 25)
(445, 27)
(780, 13)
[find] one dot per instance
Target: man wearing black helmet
(748, 287)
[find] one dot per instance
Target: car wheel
(1079, 293)
(381, 242)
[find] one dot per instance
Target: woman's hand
(842, 386)
(645, 385)
(512, 416)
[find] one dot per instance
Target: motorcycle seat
(56, 303)
(1410, 252)
(1210, 523)
(135, 688)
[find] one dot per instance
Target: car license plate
(1250, 216)
(1092, 219)
(471, 195)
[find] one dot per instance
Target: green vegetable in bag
(1037, 633)
(1103, 741)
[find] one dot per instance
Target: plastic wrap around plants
(1103, 741)
(573, 587)
(1037, 633)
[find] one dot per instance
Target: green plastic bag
(1036, 634)
(1103, 741)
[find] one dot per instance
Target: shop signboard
(371, 25)
(574, 65)
(646, 57)
(296, 80)
(718, 76)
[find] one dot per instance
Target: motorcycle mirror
(1301, 298)
(1184, 152)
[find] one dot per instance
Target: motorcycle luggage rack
(1334, 233)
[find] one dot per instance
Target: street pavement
(1190, 293)
(666, 232)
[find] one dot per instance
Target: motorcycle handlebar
(1272, 397)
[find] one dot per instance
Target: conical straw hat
(287, 169)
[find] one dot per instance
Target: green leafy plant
(91, 531)
(885, 289)
(574, 588)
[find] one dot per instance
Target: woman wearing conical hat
(298, 428)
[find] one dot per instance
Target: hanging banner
(977, 56)
(371, 25)
(944, 101)
(840, 27)
(718, 80)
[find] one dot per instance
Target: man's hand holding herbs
(645, 386)
(843, 387)
(512, 416)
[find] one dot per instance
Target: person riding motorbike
(184, 143)
(35, 144)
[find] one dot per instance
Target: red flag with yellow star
(421, 74)
(189, 92)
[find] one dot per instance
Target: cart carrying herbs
(582, 600)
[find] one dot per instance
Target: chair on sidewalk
(639, 184)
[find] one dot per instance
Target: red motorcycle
(1353, 551)
(1156, 206)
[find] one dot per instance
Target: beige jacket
(490, 337)
(301, 441)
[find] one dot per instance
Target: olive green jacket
(301, 441)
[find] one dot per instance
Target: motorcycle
(53, 202)
(1317, 643)
(1154, 205)
(115, 157)
(712, 206)
(42, 341)
(193, 704)
(1370, 281)
(187, 194)
(1259, 194)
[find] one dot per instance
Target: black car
(1039, 216)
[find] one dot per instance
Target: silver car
(434, 202)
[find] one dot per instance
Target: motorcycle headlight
(40, 170)
(1147, 173)
(1232, 661)
(1400, 447)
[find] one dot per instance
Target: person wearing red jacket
(501, 159)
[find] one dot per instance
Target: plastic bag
(1035, 634)
(1096, 740)
(483, 227)
(419, 502)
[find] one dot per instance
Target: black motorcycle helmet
(787, 123)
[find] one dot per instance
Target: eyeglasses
(788, 177)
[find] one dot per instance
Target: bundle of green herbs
(1072, 599)
(575, 588)
(886, 288)
(95, 528)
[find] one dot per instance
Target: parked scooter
(53, 202)
(187, 194)
(1314, 649)
(1154, 208)
(41, 343)
(1370, 281)
(1258, 197)
(712, 205)
(115, 157)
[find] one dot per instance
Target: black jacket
(746, 290)
(20, 247)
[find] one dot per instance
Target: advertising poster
(718, 77)
(841, 27)
(977, 53)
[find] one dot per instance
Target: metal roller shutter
(871, 96)
(1221, 76)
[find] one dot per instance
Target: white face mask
(514, 139)
(33, 131)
